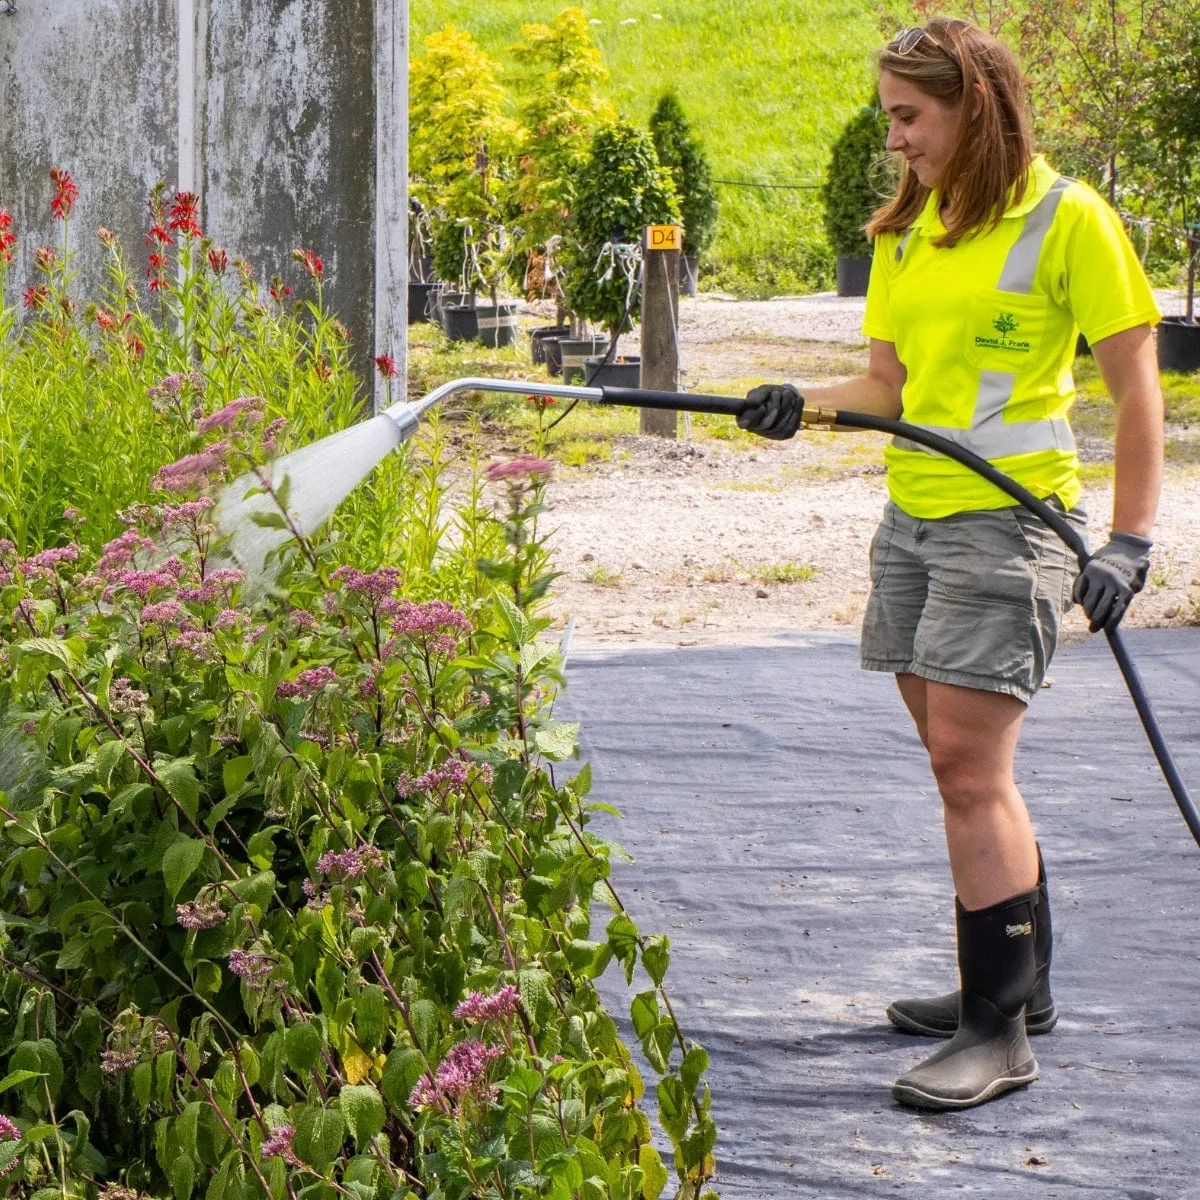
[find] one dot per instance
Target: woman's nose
(895, 138)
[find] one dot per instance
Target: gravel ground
(703, 541)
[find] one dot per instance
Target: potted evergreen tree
(850, 197)
(620, 189)
(683, 156)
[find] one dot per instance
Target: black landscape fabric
(787, 837)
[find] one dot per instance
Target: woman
(986, 264)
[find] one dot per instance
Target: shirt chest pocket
(1005, 330)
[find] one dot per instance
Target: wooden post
(660, 323)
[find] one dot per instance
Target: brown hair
(951, 60)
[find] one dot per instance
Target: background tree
(681, 152)
(557, 84)
(463, 153)
(1173, 116)
(848, 192)
(620, 189)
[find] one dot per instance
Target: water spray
(297, 493)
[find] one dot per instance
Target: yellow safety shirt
(986, 330)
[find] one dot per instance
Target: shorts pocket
(1005, 330)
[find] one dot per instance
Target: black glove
(1113, 576)
(772, 411)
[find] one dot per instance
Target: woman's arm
(877, 392)
(1129, 367)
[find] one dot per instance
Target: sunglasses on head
(907, 40)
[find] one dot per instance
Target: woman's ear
(977, 101)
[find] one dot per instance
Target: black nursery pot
(551, 345)
(461, 323)
(623, 371)
(539, 335)
(853, 275)
(420, 302)
(1179, 345)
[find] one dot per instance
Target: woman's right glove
(772, 411)
(1111, 579)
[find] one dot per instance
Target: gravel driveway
(708, 541)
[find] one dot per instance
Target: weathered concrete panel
(288, 150)
(278, 120)
(90, 87)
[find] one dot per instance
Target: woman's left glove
(1113, 576)
(772, 411)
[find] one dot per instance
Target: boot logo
(1025, 929)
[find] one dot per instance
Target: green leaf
(622, 937)
(302, 1044)
(70, 653)
(235, 772)
(319, 1135)
(557, 741)
(255, 889)
(656, 957)
(16, 1078)
(183, 1176)
(534, 985)
(643, 1011)
(108, 756)
(655, 1173)
(400, 1074)
(694, 1064)
(180, 862)
(673, 1108)
(424, 1016)
(363, 1109)
(178, 776)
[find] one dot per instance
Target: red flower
(279, 290)
(8, 239)
(542, 402)
(385, 364)
(35, 297)
(183, 214)
(45, 258)
(158, 236)
(105, 319)
(312, 264)
(65, 194)
(218, 261)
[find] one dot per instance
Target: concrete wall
(271, 109)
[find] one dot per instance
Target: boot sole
(913, 1097)
(1035, 1023)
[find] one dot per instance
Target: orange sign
(663, 237)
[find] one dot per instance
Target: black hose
(732, 406)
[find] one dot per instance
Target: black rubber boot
(990, 1053)
(937, 1016)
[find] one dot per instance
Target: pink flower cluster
(216, 585)
(188, 513)
(113, 1062)
(452, 772)
(200, 914)
(307, 683)
(246, 408)
(251, 969)
(123, 697)
(9, 1133)
(192, 470)
(123, 550)
(478, 1007)
(462, 1075)
(526, 467)
(372, 586)
(165, 612)
(48, 560)
(349, 864)
(278, 1144)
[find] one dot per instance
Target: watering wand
(334, 466)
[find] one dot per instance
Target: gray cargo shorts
(975, 599)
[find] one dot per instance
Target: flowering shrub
(292, 900)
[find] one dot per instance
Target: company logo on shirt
(1004, 325)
